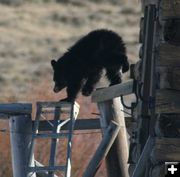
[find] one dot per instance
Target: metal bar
(73, 116)
(55, 130)
(35, 130)
(51, 104)
(46, 168)
(51, 135)
(41, 173)
(81, 124)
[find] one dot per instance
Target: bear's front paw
(87, 92)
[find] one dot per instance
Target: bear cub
(80, 68)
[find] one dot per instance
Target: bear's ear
(53, 63)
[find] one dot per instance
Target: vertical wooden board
(170, 8)
(168, 55)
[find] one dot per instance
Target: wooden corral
(154, 125)
(21, 126)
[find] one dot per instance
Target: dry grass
(31, 35)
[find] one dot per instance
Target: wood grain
(169, 55)
(170, 9)
(166, 149)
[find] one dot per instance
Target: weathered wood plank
(15, 108)
(169, 78)
(171, 28)
(109, 93)
(167, 101)
(48, 107)
(57, 104)
(169, 55)
(81, 124)
(117, 157)
(166, 149)
(170, 9)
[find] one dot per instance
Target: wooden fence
(154, 126)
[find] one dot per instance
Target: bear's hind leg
(114, 76)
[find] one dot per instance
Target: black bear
(80, 68)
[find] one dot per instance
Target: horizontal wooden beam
(166, 149)
(62, 104)
(8, 109)
(169, 55)
(81, 124)
(114, 91)
(170, 9)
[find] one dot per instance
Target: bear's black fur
(81, 66)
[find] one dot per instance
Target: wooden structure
(118, 155)
(22, 135)
(155, 81)
(157, 78)
(155, 121)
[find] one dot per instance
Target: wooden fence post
(20, 135)
(117, 157)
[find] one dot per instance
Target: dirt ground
(34, 33)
